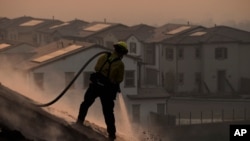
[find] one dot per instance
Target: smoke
(66, 108)
(19, 114)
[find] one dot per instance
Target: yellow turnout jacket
(116, 73)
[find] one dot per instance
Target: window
(132, 47)
(129, 79)
(136, 113)
(197, 53)
(150, 55)
(161, 108)
(220, 53)
(180, 53)
(169, 53)
(68, 77)
(181, 78)
(39, 80)
(86, 80)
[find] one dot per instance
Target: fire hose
(71, 82)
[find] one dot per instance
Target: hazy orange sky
(130, 12)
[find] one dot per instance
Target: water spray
(126, 122)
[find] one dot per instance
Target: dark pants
(107, 101)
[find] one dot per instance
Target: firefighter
(109, 73)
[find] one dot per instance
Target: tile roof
(53, 48)
(4, 22)
(231, 33)
(58, 50)
(163, 32)
(100, 30)
(212, 35)
(65, 28)
(13, 44)
(24, 24)
(141, 32)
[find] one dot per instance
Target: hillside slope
(21, 119)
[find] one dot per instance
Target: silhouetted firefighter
(105, 84)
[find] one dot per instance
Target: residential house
(212, 60)
(135, 37)
(154, 51)
(12, 53)
(24, 29)
(4, 22)
(95, 31)
(61, 30)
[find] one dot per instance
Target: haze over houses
(165, 61)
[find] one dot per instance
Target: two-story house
(24, 29)
(55, 32)
(13, 53)
(211, 60)
(4, 22)
(154, 51)
(135, 37)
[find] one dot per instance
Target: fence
(214, 121)
(212, 116)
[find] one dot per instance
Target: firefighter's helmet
(121, 47)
